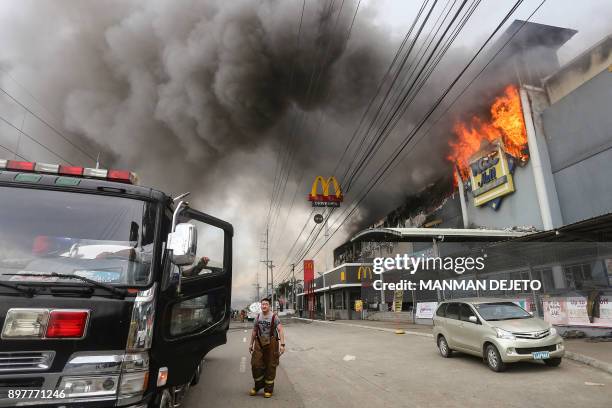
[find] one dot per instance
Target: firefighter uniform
(265, 356)
(264, 361)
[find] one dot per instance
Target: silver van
(497, 330)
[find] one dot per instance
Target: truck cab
(111, 293)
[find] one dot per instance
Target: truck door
(193, 314)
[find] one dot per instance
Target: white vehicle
(253, 311)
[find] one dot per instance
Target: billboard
(491, 177)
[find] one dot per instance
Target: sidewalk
(598, 355)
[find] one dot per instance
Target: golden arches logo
(365, 270)
(325, 196)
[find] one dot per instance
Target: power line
(34, 140)
(310, 92)
(417, 128)
(47, 124)
(307, 245)
(370, 104)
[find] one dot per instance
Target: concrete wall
(580, 70)
(579, 132)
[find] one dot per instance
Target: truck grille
(26, 360)
(533, 335)
(529, 350)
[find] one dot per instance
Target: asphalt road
(334, 366)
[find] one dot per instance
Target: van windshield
(105, 238)
(501, 311)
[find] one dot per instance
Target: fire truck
(111, 293)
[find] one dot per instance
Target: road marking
(245, 331)
(348, 357)
(244, 339)
(243, 364)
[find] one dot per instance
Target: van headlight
(553, 331)
(504, 334)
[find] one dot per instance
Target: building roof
(426, 234)
(596, 229)
(535, 34)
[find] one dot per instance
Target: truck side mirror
(183, 242)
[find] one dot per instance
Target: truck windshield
(105, 238)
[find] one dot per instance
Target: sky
(204, 96)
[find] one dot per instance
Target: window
(452, 311)
(196, 314)
(441, 312)
(103, 238)
(209, 252)
(465, 312)
(576, 275)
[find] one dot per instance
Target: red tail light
(20, 165)
(67, 324)
(71, 170)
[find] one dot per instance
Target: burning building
(532, 160)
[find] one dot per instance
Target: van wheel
(445, 351)
(493, 359)
(553, 362)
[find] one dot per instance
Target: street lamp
(324, 297)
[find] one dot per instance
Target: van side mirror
(473, 319)
(183, 242)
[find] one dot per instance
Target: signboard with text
(426, 310)
(490, 176)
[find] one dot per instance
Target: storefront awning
(427, 234)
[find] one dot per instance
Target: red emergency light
(67, 324)
(20, 165)
(121, 176)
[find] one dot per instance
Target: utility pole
(293, 287)
(267, 261)
(257, 286)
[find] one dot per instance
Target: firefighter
(265, 349)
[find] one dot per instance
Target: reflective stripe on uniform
(259, 378)
(269, 381)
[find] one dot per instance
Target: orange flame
(506, 124)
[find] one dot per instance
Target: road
(341, 366)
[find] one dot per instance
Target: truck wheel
(553, 362)
(493, 359)
(165, 400)
(445, 351)
(198, 373)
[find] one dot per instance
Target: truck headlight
(504, 334)
(90, 386)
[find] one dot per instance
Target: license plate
(540, 355)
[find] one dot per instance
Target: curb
(581, 358)
(593, 362)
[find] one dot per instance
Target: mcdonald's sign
(364, 271)
(325, 199)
